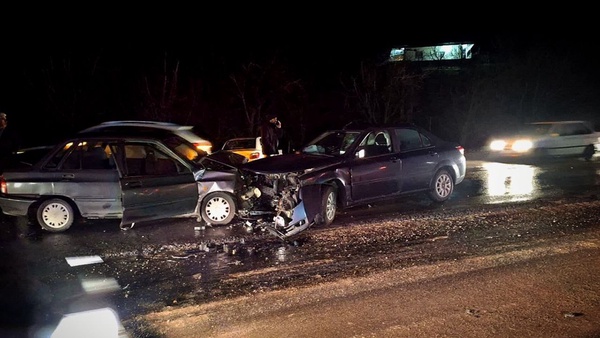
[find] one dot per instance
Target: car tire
(218, 208)
(442, 186)
(328, 204)
(588, 152)
(55, 215)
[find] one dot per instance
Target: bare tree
(71, 87)
(160, 92)
(384, 93)
(266, 88)
(252, 94)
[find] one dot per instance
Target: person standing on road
(270, 133)
(9, 142)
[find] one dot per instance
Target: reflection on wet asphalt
(168, 263)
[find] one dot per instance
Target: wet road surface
(165, 264)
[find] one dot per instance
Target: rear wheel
(328, 204)
(442, 186)
(55, 215)
(588, 152)
(541, 153)
(218, 208)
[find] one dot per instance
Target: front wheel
(55, 215)
(442, 186)
(218, 208)
(328, 204)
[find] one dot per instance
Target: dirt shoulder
(501, 273)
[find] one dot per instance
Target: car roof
(125, 132)
(140, 123)
(363, 125)
(372, 127)
(242, 138)
(559, 122)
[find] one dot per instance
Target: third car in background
(249, 147)
(548, 138)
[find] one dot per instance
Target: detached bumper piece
(285, 228)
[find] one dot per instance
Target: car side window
(83, 155)
(145, 160)
(376, 143)
(410, 139)
(580, 129)
(97, 156)
(54, 162)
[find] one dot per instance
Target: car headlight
(497, 145)
(522, 145)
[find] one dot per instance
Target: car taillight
(461, 149)
(3, 186)
(254, 156)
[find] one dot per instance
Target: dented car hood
(290, 163)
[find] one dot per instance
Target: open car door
(155, 183)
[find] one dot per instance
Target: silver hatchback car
(130, 176)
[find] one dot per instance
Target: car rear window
(240, 144)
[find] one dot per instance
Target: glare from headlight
(522, 146)
(497, 145)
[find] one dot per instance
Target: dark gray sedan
(339, 168)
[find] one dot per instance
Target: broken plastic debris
(473, 312)
(99, 285)
(83, 260)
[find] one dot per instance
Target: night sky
(317, 44)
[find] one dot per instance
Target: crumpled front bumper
(304, 215)
(285, 229)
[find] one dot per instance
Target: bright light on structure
(447, 48)
(449, 51)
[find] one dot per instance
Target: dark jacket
(9, 144)
(269, 137)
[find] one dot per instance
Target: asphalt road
(389, 269)
(542, 288)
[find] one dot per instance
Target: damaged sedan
(339, 169)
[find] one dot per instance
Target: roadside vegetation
(507, 82)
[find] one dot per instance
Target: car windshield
(331, 143)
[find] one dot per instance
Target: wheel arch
(205, 199)
(449, 168)
(34, 206)
(340, 192)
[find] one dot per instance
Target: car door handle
(68, 177)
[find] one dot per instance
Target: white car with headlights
(549, 138)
